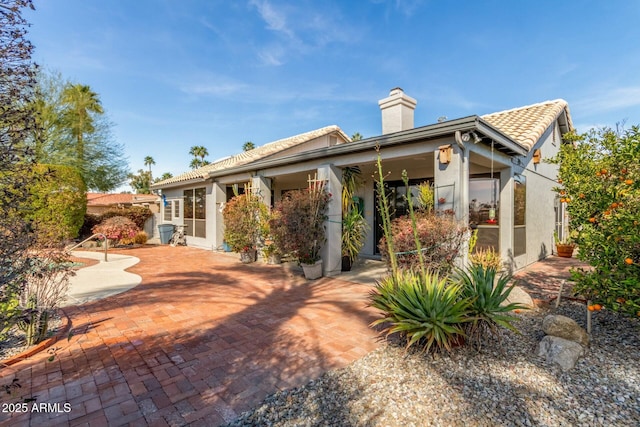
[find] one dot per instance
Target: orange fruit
(614, 205)
(628, 261)
(598, 173)
(592, 220)
(591, 308)
(562, 200)
(628, 181)
(581, 195)
(562, 193)
(567, 200)
(559, 181)
(603, 171)
(607, 212)
(623, 171)
(597, 307)
(621, 300)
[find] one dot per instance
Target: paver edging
(64, 329)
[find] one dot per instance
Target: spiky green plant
(425, 309)
(487, 295)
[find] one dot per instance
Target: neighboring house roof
(103, 199)
(258, 153)
(525, 125)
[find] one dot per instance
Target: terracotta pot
(312, 271)
(565, 251)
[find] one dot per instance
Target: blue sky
(174, 74)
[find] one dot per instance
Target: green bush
(243, 218)
(599, 183)
(422, 307)
(487, 296)
(58, 203)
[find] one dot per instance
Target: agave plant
(487, 296)
(421, 307)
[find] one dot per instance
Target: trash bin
(166, 230)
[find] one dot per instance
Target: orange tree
(599, 180)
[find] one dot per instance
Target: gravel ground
(505, 384)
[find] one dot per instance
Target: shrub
(139, 239)
(422, 307)
(47, 282)
(58, 203)
(137, 214)
(243, 216)
(117, 228)
(486, 296)
(299, 223)
(486, 258)
(441, 237)
(599, 183)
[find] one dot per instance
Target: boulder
(560, 351)
(520, 296)
(565, 327)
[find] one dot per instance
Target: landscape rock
(520, 296)
(560, 351)
(565, 327)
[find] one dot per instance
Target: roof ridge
(537, 104)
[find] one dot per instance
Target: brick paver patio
(202, 339)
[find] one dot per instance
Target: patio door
(396, 193)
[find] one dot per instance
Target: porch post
(261, 187)
(218, 197)
(332, 251)
(506, 218)
(450, 182)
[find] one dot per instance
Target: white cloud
(609, 100)
(275, 19)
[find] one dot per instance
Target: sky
(172, 74)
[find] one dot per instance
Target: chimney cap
(396, 90)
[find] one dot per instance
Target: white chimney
(397, 111)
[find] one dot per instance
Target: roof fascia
(502, 139)
(425, 132)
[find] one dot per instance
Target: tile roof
(257, 153)
(525, 125)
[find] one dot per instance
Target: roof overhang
(437, 130)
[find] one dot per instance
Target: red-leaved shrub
(116, 228)
(441, 237)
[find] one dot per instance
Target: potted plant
(242, 217)
(354, 232)
(564, 247)
(298, 226)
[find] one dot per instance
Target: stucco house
(487, 169)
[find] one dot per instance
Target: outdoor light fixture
(466, 137)
(476, 138)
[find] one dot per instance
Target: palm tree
(148, 161)
(79, 102)
(248, 146)
(201, 152)
(356, 136)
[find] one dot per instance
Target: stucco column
(218, 197)
(261, 186)
(332, 251)
(450, 182)
(506, 218)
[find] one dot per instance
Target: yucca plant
(487, 296)
(425, 309)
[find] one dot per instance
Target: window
(195, 209)
(484, 211)
(519, 215)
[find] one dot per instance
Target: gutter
(425, 132)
